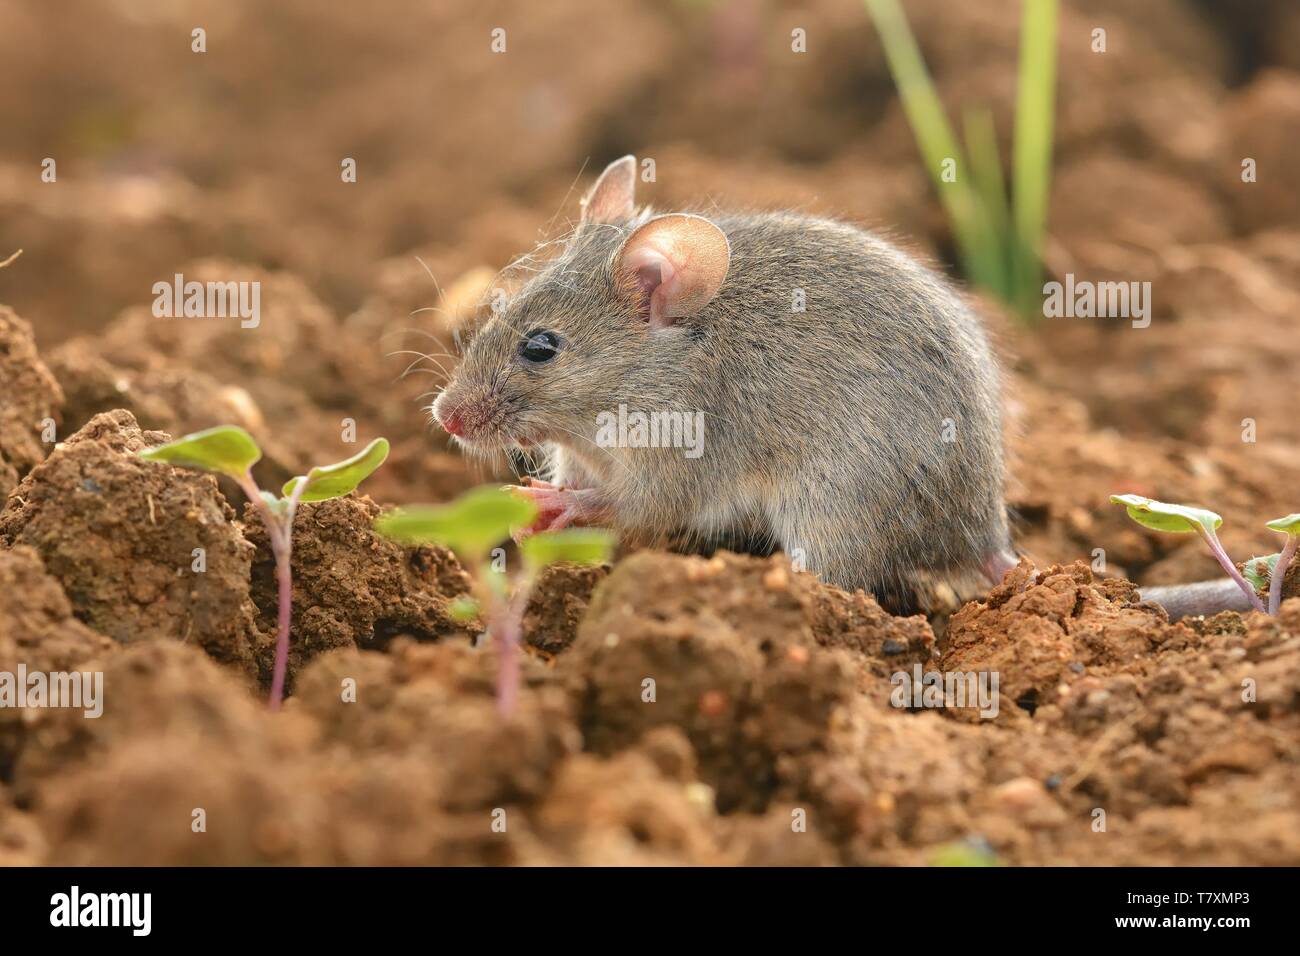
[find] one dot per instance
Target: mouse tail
(1203, 597)
(1179, 600)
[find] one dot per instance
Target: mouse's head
(594, 320)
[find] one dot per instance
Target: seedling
(1000, 243)
(1161, 516)
(472, 526)
(1259, 571)
(970, 852)
(231, 451)
(1289, 526)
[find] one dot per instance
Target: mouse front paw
(559, 507)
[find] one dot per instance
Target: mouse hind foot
(997, 564)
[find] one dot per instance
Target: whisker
(431, 275)
(567, 194)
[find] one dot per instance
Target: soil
(31, 400)
(675, 709)
(353, 588)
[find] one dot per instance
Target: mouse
(703, 377)
(758, 381)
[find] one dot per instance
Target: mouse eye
(539, 345)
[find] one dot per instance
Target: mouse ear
(679, 262)
(613, 197)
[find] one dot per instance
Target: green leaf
(1288, 525)
(1259, 571)
(336, 480)
(226, 449)
(470, 525)
(463, 609)
(278, 506)
(571, 546)
(965, 853)
(1161, 516)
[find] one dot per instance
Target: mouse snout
(451, 424)
(459, 417)
(449, 415)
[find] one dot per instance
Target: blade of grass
(1032, 154)
(934, 137)
(990, 188)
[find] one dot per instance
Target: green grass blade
(935, 139)
(1032, 156)
(990, 188)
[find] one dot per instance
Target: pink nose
(451, 423)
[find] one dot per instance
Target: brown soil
(674, 709)
(143, 551)
(31, 400)
(352, 587)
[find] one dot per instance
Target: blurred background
(228, 161)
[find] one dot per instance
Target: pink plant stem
(1279, 572)
(284, 585)
(1225, 562)
(508, 631)
(279, 531)
(507, 641)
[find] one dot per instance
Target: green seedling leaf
(1161, 516)
(463, 609)
(278, 506)
(226, 449)
(336, 480)
(470, 525)
(1288, 525)
(1259, 571)
(572, 546)
(965, 853)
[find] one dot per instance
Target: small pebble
(776, 579)
(713, 703)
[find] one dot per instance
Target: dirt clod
(142, 550)
(352, 587)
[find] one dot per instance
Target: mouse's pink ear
(679, 262)
(613, 198)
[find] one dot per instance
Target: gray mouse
(777, 381)
(845, 400)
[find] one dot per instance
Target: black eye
(539, 345)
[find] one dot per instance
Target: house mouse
(707, 377)
(756, 381)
